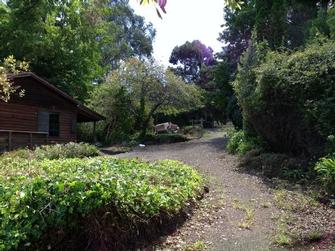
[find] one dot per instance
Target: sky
(186, 20)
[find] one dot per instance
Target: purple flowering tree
(189, 58)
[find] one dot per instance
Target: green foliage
(241, 143)
(164, 138)
(270, 22)
(330, 146)
(137, 91)
(220, 98)
(325, 169)
(37, 197)
(288, 98)
(331, 22)
(319, 26)
(237, 30)
(8, 67)
(112, 100)
(196, 246)
(57, 151)
(74, 43)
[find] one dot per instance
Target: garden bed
(96, 203)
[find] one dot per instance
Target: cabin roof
(84, 113)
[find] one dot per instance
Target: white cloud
(186, 20)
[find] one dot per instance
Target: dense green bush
(111, 100)
(240, 143)
(288, 97)
(57, 151)
(326, 171)
(164, 138)
(38, 198)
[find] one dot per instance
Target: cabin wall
(15, 140)
(19, 117)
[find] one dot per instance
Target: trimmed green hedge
(39, 197)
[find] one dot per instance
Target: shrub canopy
(288, 98)
(53, 196)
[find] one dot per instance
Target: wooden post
(94, 132)
(9, 141)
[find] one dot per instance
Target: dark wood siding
(17, 117)
(21, 114)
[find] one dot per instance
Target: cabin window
(54, 124)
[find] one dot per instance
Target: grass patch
(293, 223)
(249, 214)
(45, 202)
(283, 237)
(293, 201)
(196, 246)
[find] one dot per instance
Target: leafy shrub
(241, 143)
(41, 198)
(69, 150)
(288, 97)
(325, 168)
(111, 100)
(57, 151)
(164, 138)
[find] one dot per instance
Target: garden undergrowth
(302, 220)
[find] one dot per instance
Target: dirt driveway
(235, 215)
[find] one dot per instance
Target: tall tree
(73, 43)
(189, 59)
(270, 23)
(125, 34)
(149, 89)
(237, 31)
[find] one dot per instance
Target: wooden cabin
(44, 115)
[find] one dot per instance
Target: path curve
(217, 223)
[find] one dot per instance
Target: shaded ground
(239, 212)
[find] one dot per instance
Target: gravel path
(237, 212)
